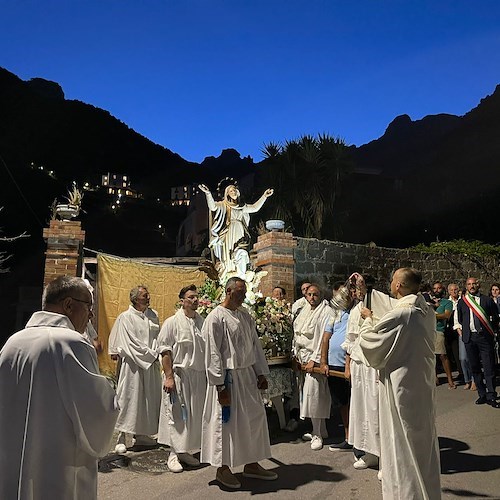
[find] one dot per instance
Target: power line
(20, 192)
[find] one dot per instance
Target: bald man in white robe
(401, 347)
(234, 424)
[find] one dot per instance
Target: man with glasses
(57, 413)
(477, 316)
(133, 341)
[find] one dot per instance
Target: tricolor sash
(478, 311)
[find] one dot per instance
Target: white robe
(181, 413)
(57, 412)
(90, 333)
(401, 347)
(363, 409)
(308, 329)
(298, 305)
(133, 338)
(232, 344)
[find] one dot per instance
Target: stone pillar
(64, 249)
(274, 254)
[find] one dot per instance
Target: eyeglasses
(89, 305)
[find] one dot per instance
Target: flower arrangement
(274, 325)
(209, 296)
(272, 317)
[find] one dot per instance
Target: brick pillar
(64, 249)
(274, 254)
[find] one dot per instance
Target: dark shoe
(227, 478)
(481, 400)
(258, 472)
(343, 446)
(494, 404)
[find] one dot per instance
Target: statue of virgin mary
(229, 235)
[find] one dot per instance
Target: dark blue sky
(200, 76)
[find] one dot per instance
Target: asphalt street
(469, 437)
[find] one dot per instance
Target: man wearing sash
(182, 350)
(477, 316)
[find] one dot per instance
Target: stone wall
(330, 261)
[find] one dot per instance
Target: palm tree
(307, 175)
(279, 173)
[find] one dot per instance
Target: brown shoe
(467, 386)
(227, 478)
(473, 387)
(258, 472)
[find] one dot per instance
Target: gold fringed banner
(117, 276)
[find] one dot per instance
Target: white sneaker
(121, 446)
(379, 475)
(173, 463)
(291, 426)
(316, 443)
(188, 459)
(367, 460)
(308, 436)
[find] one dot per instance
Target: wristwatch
(221, 388)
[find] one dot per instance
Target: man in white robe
(364, 409)
(401, 347)
(133, 342)
(182, 350)
(234, 426)
(57, 412)
(301, 301)
(308, 329)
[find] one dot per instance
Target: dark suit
(480, 345)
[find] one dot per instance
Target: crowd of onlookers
(195, 382)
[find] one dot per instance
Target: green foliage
(306, 175)
(210, 290)
(472, 248)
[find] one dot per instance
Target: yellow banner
(117, 276)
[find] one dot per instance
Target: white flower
(250, 297)
(249, 276)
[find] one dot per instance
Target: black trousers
(480, 351)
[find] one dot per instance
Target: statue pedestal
(274, 254)
(64, 249)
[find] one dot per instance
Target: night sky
(201, 76)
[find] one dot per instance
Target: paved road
(470, 460)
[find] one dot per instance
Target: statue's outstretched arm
(210, 199)
(255, 207)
